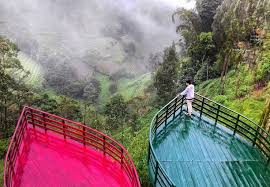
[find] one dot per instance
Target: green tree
(166, 76)
(45, 102)
(133, 122)
(13, 91)
(188, 27)
(202, 52)
(116, 112)
(206, 11)
(69, 108)
(91, 91)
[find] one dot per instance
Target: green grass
(250, 103)
(130, 88)
(35, 78)
(1, 172)
(137, 144)
(138, 147)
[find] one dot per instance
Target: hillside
(242, 92)
(35, 78)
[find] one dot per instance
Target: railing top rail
(242, 116)
(226, 108)
(81, 125)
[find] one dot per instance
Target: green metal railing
(205, 109)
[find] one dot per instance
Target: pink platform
(47, 160)
(43, 152)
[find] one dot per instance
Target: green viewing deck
(193, 153)
(216, 147)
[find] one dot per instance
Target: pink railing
(68, 129)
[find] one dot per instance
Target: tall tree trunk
(207, 71)
(239, 59)
(5, 117)
(265, 121)
(224, 71)
(1, 121)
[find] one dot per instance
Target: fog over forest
(106, 35)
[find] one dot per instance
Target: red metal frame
(69, 129)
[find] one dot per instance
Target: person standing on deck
(189, 94)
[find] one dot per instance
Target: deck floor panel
(46, 159)
(197, 154)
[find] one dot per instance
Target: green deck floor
(194, 154)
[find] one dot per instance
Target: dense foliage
(13, 91)
(64, 80)
(166, 76)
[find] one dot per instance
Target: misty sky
(101, 31)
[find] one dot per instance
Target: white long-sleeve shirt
(189, 92)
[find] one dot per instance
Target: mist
(109, 35)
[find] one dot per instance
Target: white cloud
(189, 4)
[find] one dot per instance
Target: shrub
(221, 99)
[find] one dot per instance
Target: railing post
(156, 173)
(256, 135)
(84, 135)
(156, 121)
(148, 158)
(122, 157)
(64, 129)
(236, 125)
(182, 103)
(201, 111)
(216, 120)
(32, 117)
(44, 122)
(104, 147)
(166, 116)
(174, 108)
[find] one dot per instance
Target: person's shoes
(187, 115)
